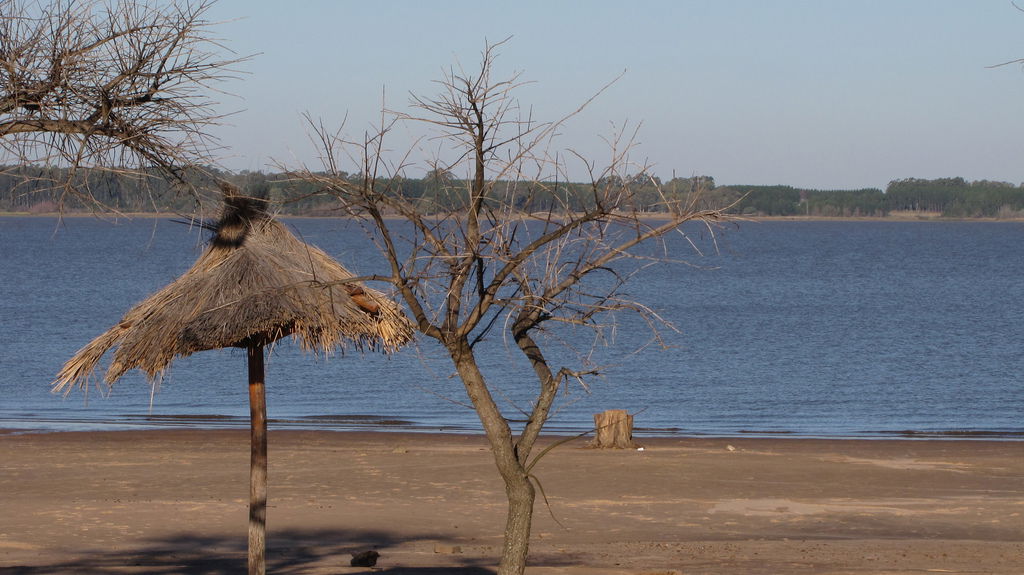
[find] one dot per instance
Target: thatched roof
(255, 283)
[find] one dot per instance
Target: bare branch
(119, 86)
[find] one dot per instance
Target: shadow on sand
(289, 551)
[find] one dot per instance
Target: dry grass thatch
(255, 283)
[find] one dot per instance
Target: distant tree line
(32, 189)
(955, 197)
(439, 190)
(946, 197)
(790, 201)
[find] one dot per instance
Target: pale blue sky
(820, 94)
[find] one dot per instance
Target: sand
(174, 501)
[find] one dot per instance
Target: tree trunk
(518, 523)
(257, 463)
(518, 488)
(614, 429)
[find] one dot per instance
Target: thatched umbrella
(254, 284)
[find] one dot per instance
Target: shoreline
(642, 439)
(372, 435)
(174, 501)
(386, 425)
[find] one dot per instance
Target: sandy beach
(175, 502)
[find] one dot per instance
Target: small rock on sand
(364, 558)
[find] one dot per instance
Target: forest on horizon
(26, 190)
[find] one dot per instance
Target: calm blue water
(850, 329)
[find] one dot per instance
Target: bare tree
(122, 86)
(509, 252)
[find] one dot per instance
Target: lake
(819, 329)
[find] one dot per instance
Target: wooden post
(257, 462)
(614, 429)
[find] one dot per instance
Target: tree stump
(614, 429)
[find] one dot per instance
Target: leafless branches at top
(510, 236)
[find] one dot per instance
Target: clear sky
(822, 94)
